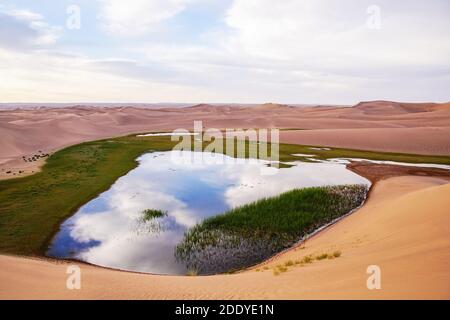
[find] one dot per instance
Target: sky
(224, 51)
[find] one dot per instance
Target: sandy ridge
(420, 128)
(403, 228)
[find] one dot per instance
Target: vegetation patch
(33, 207)
(150, 214)
(322, 256)
(337, 254)
(252, 233)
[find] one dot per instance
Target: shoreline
(361, 168)
(353, 166)
(35, 167)
(421, 130)
(19, 275)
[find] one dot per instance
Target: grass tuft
(322, 256)
(307, 259)
(282, 268)
(191, 272)
(149, 214)
(337, 254)
(289, 263)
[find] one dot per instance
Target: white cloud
(290, 51)
(23, 29)
(42, 76)
(137, 17)
(332, 35)
(25, 15)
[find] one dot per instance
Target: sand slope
(366, 125)
(422, 140)
(403, 228)
(420, 128)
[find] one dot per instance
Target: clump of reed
(252, 233)
(150, 221)
(149, 214)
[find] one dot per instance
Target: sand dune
(420, 128)
(389, 107)
(403, 228)
(422, 140)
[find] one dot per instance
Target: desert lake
(188, 187)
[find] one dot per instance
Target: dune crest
(391, 108)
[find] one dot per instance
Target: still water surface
(109, 230)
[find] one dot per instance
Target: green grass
(286, 151)
(260, 229)
(150, 214)
(33, 207)
(291, 212)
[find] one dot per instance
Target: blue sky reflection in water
(109, 230)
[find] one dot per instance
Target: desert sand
(403, 228)
(421, 128)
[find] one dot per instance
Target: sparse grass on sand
(191, 273)
(289, 263)
(336, 254)
(322, 256)
(33, 207)
(306, 260)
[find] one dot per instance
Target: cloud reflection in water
(109, 230)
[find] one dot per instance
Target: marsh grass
(149, 214)
(252, 233)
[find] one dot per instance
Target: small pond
(110, 230)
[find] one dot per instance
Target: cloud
(333, 35)
(24, 29)
(49, 76)
(309, 51)
(137, 17)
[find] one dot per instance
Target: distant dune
(421, 128)
(389, 107)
